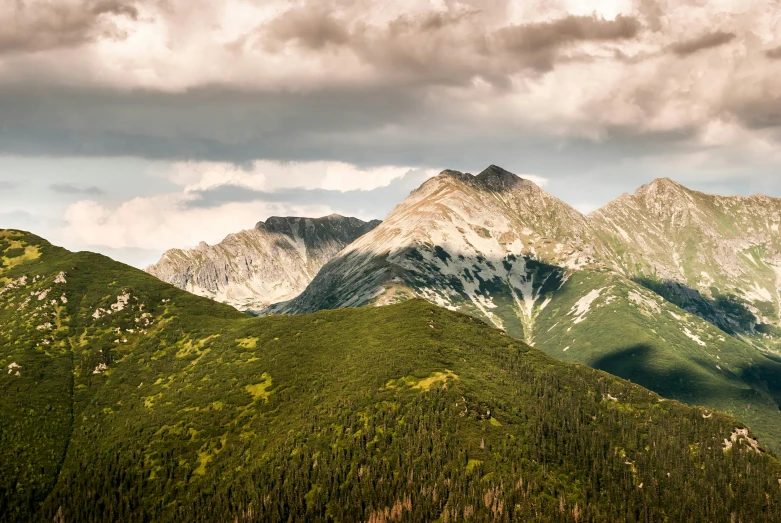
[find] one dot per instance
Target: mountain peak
(661, 185)
(496, 177)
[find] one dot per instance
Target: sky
(129, 127)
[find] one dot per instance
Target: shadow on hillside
(765, 376)
(725, 311)
(636, 363)
(485, 287)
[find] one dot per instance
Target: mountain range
(123, 398)
(671, 288)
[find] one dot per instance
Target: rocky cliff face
(273, 262)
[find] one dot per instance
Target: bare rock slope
(273, 262)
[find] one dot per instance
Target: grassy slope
(406, 412)
(645, 341)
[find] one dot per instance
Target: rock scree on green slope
(123, 398)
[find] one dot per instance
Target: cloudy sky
(132, 126)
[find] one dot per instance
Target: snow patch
(60, 278)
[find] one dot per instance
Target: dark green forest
(125, 399)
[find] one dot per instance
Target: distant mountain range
(671, 288)
(123, 398)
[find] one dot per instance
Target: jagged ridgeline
(123, 398)
(272, 262)
(673, 289)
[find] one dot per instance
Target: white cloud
(163, 222)
(540, 181)
(265, 175)
(585, 208)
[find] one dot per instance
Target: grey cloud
(36, 26)
(774, 54)
(652, 12)
(444, 47)
(377, 202)
(311, 27)
(546, 35)
(706, 41)
(19, 220)
(348, 125)
(758, 114)
(7, 185)
(66, 188)
(537, 45)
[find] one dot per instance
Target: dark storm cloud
(349, 202)
(66, 188)
(37, 26)
(700, 43)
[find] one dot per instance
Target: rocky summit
(254, 268)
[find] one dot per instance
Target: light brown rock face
(273, 262)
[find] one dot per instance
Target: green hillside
(125, 399)
(608, 322)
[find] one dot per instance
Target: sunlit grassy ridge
(135, 401)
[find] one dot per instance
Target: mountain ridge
(253, 268)
(520, 259)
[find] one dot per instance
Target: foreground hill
(254, 268)
(498, 247)
(126, 399)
